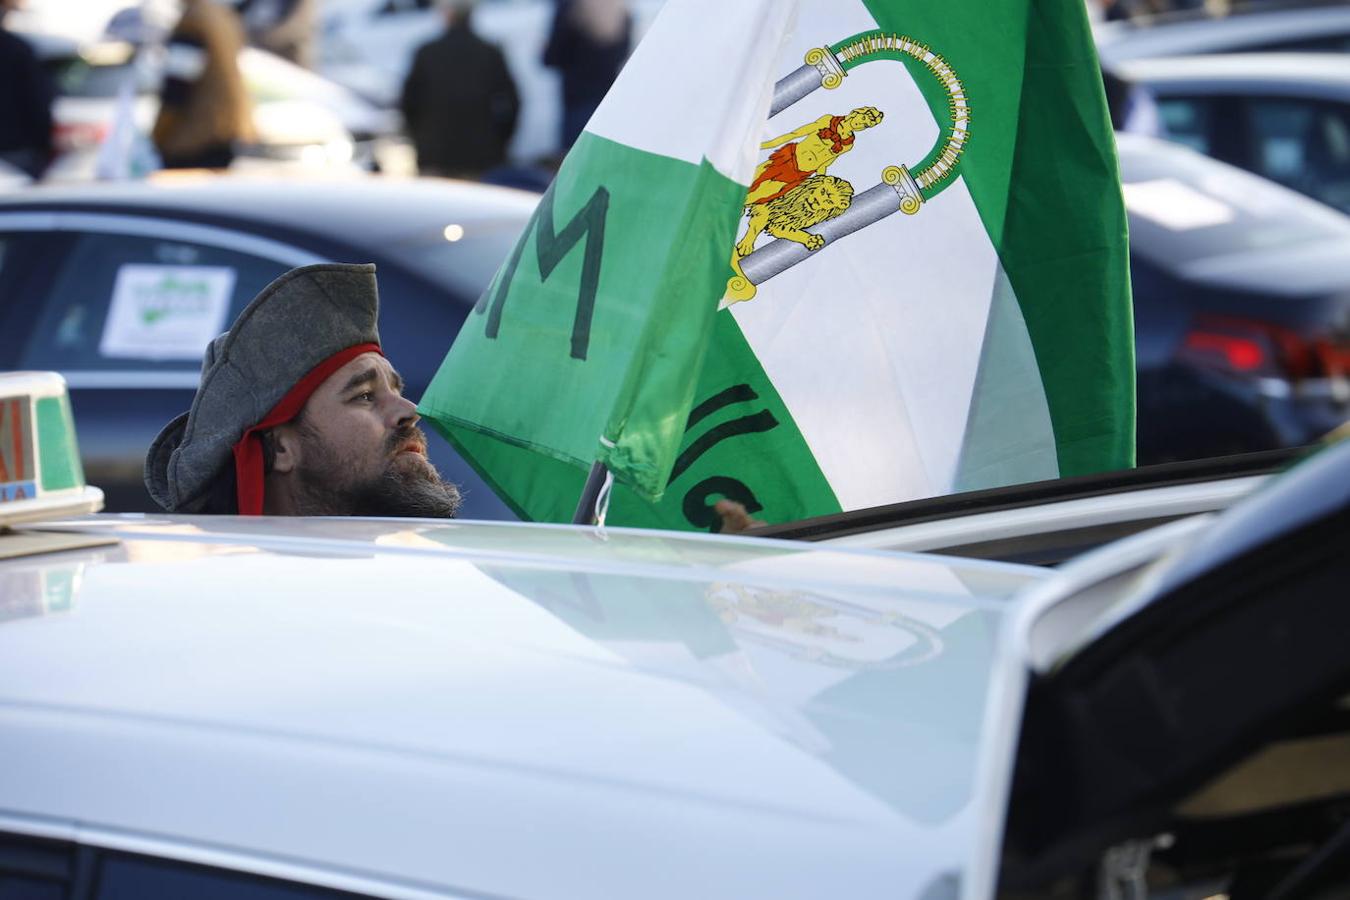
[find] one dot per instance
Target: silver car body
(1324, 76)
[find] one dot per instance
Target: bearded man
(299, 413)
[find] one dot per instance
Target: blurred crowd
(459, 100)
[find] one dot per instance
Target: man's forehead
(364, 365)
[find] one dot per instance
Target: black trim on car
(1035, 493)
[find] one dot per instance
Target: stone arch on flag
(899, 190)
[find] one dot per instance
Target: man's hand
(735, 518)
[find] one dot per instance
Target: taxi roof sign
(40, 472)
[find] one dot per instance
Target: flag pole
(585, 514)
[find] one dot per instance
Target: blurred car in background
(1241, 304)
(1317, 27)
(120, 286)
(12, 177)
(368, 46)
(299, 116)
(81, 20)
(1285, 116)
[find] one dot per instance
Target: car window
(123, 301)
(17, 887)
(139, 877)
(1305, 145)
(394, 7)
(45, 869)
(1186, 120)
(1322, 43)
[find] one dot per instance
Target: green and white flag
(814, 256)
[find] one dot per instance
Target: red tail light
(1333, 357)
(79, 135)
(1250, 347)
(1227, 351)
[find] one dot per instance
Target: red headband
(248, 453)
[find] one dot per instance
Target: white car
(288, 708)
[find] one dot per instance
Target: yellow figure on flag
(791, 173)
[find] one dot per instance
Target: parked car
(71, 256)
(1319, 26)
(277, 709)
(1283, 116)
(1241, 306)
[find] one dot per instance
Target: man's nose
(405, 411)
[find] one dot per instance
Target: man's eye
(365, 396)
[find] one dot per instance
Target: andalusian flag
(814, 256)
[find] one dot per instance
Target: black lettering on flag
(551, 247)
(700, 513)
(737, 393)
(753, 424)
(696, 508)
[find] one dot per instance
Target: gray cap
(297, 322)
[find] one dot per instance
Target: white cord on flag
(602, 500)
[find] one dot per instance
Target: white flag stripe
(1009, 436)
(874, 342)
(875, 353)
(729, 62)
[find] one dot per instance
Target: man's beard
(406, 487)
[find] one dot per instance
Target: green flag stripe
(666, 227)
(744, 447)
(1041, 152)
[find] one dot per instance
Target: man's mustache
(403, 435)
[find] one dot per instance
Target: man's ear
(283, 448)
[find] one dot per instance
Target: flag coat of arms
(814, 256)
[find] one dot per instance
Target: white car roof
(1119, 41)
(441, 709)
(1302, 74)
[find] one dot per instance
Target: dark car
(118, 286)
(1241, 303)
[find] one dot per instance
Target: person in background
(283, 27)
(204, 109)
(459, 101)
(588, 45)
(25, 103)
